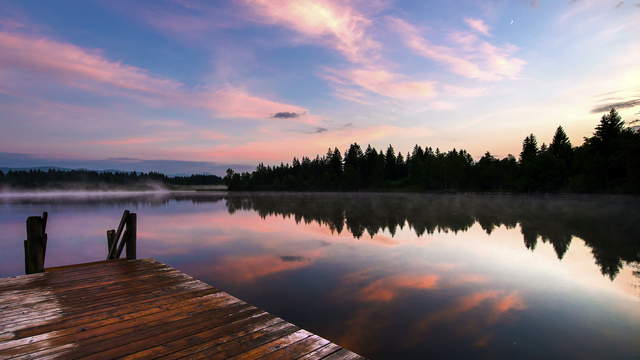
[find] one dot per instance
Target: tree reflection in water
(610, 228)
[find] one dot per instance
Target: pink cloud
(472, 58)
(251, 268)
(76, 66)
(89, 70)
(380, 81)
(334, 23)
(478, 25)
(498, 305)
(236, 103)
(507, 303)
(346, 29)
(388, 288)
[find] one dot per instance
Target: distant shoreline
(121, 192)
(105, 191)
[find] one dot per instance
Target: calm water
(387, 275)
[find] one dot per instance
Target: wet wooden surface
(141, 309)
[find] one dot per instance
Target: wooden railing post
(132, 236)
(128, 230)
(111, 237)
(35, 246)
(113, 244)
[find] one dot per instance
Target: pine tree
(390, 164)
(529, 149)
(560, 145)
(610, 126)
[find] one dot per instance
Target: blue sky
(263, 80)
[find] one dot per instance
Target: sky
(247, 81)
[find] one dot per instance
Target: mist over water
(387, 275)
(78, 194)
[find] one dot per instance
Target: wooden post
(132, 235)
(128, 229)
(45, 217)
(111, 237)
(113, 247)
(34, 249)
(122, 243)
(26, 257)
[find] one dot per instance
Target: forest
(606, 162)
(87, 179)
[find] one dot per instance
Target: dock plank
(141, 309)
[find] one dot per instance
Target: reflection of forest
(611, 227)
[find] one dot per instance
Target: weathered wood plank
(114, 313)
(343, 354)
(86, 288)
(21, 337)
(104, 316)
(322, 352)
(31, 306)
(272, 346)
(247, 342)
(85, 335)
(210, 337)
(141, 309)
(52, 275)
(299, 348)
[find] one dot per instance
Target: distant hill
(168, 167)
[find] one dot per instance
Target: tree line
(607, 161)
(87, 179)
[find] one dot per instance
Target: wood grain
(141, 309)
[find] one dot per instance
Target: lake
(388, 276)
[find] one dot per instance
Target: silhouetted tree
(560, 145)
(390, 164)
(529, 150)
(607, 161)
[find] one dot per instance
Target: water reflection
(390, 275)
(610, 228)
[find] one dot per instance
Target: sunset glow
(239, 82)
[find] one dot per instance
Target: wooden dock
(141, 309)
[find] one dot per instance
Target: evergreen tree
(610, 127)
(529, 149)
(335, 162)
(390, 164)
(560, 145)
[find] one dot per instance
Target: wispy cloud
(472, 57)
(478, 25)
(382, 82)
(346, 29)
(333, 23)
(618, 105)
(90, 70)
(77, 67)
(231, 102)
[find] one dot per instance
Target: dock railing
(35, 247)
(125, 236)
